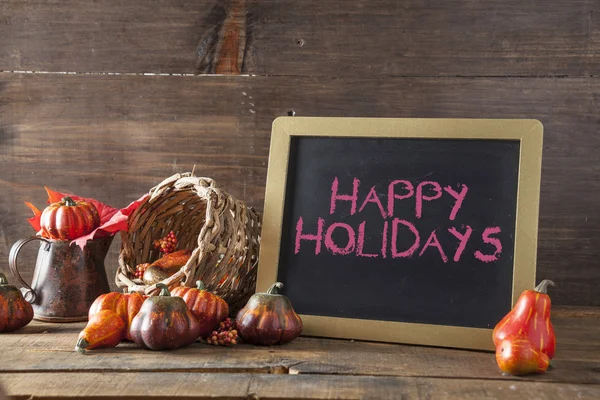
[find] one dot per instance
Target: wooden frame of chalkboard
(501, 157)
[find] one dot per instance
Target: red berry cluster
(226, 335)
(140, 269)
(167, 244)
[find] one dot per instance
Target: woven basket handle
(181, 181)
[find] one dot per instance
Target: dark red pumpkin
(208, 308)
(268, 318)
(125, 305)
(164, 322)
(69, 219)
(15, 312)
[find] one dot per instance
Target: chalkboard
(400, 228)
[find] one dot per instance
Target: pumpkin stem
(543, 286)
(3, 280)
(69, 201)
(81, 345)
(275, 288)
(200, 285)
(164, 289)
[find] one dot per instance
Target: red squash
(530, 317)
(208, 308)
(516, 355)
(125, 305)
(69, 219)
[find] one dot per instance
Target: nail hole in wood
(300, 42)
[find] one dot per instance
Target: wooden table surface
(39, 362)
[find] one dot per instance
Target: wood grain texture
(307, 38)
(142, 385)
(48, 348)
(114, 137)
(222, 48)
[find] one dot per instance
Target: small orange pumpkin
(268, 318)
(15, 312)
(125, 305)
(208, 308)
(69, 219)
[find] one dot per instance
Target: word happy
(423, 194)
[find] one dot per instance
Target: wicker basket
(222, 231)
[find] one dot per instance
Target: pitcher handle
(28, 293)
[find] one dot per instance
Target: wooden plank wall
(106, 98)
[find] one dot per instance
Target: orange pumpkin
(125, 305)
(15, 312)
(208, 308)
(68, 219)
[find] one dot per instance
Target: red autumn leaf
(35, 220)
(53, 197)
(117, 222)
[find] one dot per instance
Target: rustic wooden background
(105, 98)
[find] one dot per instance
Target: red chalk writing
(303, 236)
(415, 245)
(333, 247)
(351, 198)
(488, 238)
(400, 237)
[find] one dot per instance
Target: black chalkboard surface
(398, 227)
(445, 280)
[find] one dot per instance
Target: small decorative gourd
(208, 308)
(69, 219)
(517, 355)
(531, 317)
(268, 318)
(125, 305)
(166, 266)
(15, 312)
(164, 322)
(104, 329)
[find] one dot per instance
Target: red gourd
(164, 322)
(530, 317)
(15, 312)
(125, 305)
(69, 219)
(516, 355)
(208, 308)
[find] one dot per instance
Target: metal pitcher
(66, 279)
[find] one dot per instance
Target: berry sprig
(167, 244)
(226, 335)
(140, 269)
(227, 325)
